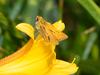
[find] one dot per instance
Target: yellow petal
(37, 61)
(63, 68)
(35, 58)
(59, 25)
(15, 56)
(26, 28)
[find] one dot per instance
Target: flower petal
(59, 25)
(13, 57)
(38, 58)
(26, 28)
(37, 61)
(63, 68)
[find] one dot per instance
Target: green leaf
(89, 67)
(30, 11)
(49, 10)
(16, 9)
(91, 40)
(92, 8)
(3, 19)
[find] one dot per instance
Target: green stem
(92, 8)
(89, 45)
(61, 2)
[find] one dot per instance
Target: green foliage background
(82, 19)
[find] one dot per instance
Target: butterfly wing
(50, 34)
(48, 31)
(58, 35)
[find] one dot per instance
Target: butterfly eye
(37, 19)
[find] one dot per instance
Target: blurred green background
(82, 20)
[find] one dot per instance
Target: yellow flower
(36, 57)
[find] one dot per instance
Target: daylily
(36, 57)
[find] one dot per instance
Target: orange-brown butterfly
(48, 31)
